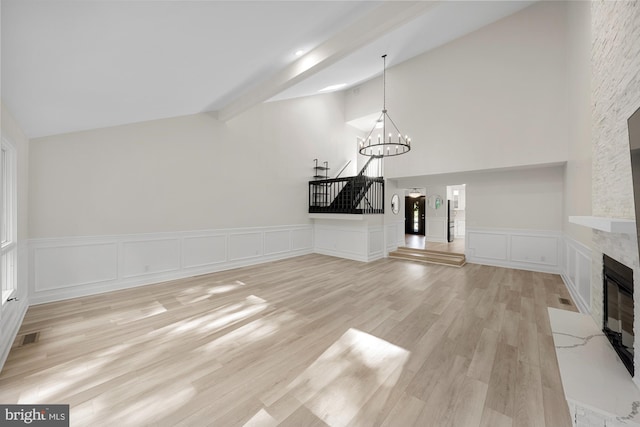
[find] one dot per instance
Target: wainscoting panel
(394, 235)
(302, 239)
(245, 245)
(436, 229)
(65, 268)
(341, 241)
(576, 273)
(401, 236)
(522, 249)
(277, 242)
(150, 256)
(487, 245)
(74, 265)
(204, 250)
(391, 237)
(537, 250)
(376, 243)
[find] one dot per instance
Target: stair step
(426, 251)
(429, 256)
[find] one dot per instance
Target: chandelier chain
(384, 82)
(387, 144)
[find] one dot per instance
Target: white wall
(187, 173)
(154, 201)
(513, 217)
(435, 229)
(492, 99)
(577, 191)
(11, 313)
(394, 223)
(526, 199)
(530, 199)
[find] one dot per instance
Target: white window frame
(9, 212)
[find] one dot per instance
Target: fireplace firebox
(618, 309)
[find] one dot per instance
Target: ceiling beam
(378, 22)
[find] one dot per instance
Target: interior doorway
(435, 218)
(414, 215)
(457, 199)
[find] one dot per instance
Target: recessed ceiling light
(333, 87)
(299, 52)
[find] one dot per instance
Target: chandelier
(385, 145)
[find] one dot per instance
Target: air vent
(30, 338)
(565, 301)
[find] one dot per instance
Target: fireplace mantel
(611, 225)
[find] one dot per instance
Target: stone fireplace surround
(615, 96)
(585, 357)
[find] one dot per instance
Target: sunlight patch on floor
(345, 376)
(261, 419)
(152, 309)
(253, 332)
(151, 408)
(222, 289)
(249, 309)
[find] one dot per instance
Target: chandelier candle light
(384, 146)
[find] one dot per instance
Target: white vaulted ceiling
(84, 64)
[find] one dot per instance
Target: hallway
(419, 242)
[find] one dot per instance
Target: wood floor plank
(470, 404)
(529, 407)
(528, 343)
(376, 410)
(549, 370)
(484, 355)
(311, 340)
(502, 384)
(510, 328)
(440, 406)
(491, 418)
(303, 417)
(405, 413)
(556, 411)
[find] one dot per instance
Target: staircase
(354, 191)
(351, 194)
(361, 194)
(429, 256)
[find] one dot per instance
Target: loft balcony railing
(361, 194)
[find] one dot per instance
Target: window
(8, 231)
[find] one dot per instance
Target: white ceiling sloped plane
(70, 65)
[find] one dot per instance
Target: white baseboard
(12, 316)
(72, 267)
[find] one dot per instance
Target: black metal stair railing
(361, 194)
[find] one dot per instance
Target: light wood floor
(419, 242)
(309, 341)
